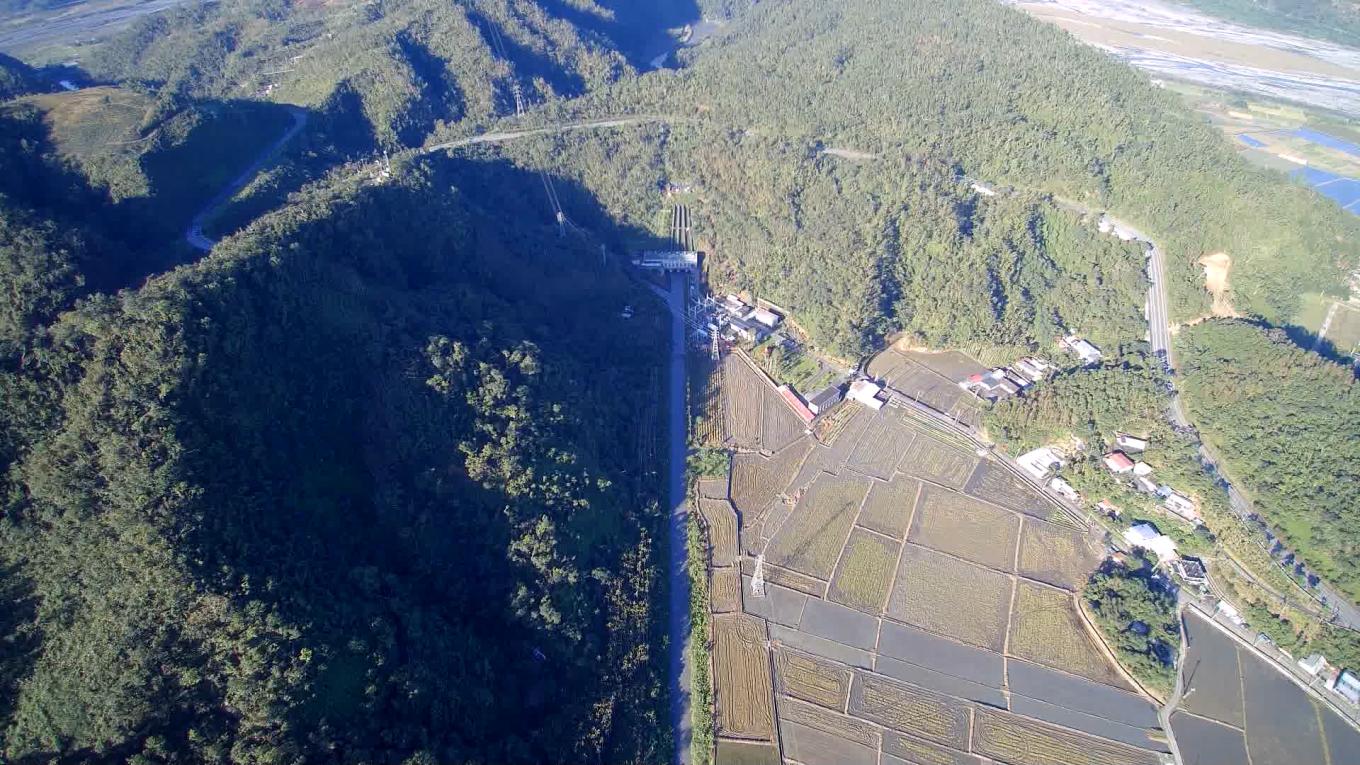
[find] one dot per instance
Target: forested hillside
(1285, 422)
(346, 490)
(981, 90)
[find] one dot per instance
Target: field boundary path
(194, 234)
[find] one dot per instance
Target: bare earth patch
(1216, 268)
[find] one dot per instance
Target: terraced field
(1045, 628)
(906, 615)
(960, 525)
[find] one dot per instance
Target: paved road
(194, 235)
(1159, 337)
(511, 135)
(679, 623)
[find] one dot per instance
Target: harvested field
(786, 578)
(960, 525)
(1211, 669)
(809, 678)
(780, 605)
(720, 521)
(812, 538)
(1037, 682)
(780, 426)
(951, 597)
(855, 657)
(755, 539)
(725, 590)
(1018, 741)
(834, 723)
(899, 706)
(814, 747)
(909, 644)
(882, 445)
(1057, 555)
(744, 398)
(742, 683)
(889, 506)
(1085, 723)
(711, 427)
(712, 488)
(833, 622)
(1282, 723)
(934, 461)
(1000, 486)
(924, 677)
(864, 576)
(951, 365)
(915, 751)
(746, 753)
(1205, 742)
(1046, 628)
(819, 460)
(846, 438)
(930, 388)
(757, 480)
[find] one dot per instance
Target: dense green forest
(1138, 614)
(988, 93)
(1285, 422)
(1335, 20)
(343, 491)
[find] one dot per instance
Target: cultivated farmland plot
(865, 573)
(786, 578)
(811, 746)
(960, 525)
(725, 590)
(889, 506)
(720, 521)
(835, 723)
(1057, 555)
(712, 488)
(1205, 742)
(1020, 741)
(744, 395)
(1216, 679)
(757, 480)
(1283, 726)
(910, 750)
(1000, 486)
(810, 678)
(881, 446)
(951, 597)
(931, 716)
(1046, 629)
(951, 365)
(781, 426)
(742, 678)
(746, 753)
(780, 605)
(812, 537)
(929, 459)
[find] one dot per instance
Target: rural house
(1117, 462)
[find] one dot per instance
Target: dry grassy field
(960, 525)
(1021, 741)
(994, 483)
(903, 707)
(720, 521)
(881, 446)
(950, 597)
(929, 459)
(811, 679)
(757, 480)
(1057, 555)
(725, 590)
(889, 506)
(910, 749)
(741, 673)
(812, 537)
(744, 392)
(865, 573)
(779, 426)
(1046, 628)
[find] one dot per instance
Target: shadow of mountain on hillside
(332, 471)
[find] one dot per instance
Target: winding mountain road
(194, 234)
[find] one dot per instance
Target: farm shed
(866, 393)
(825, 398)
(796, 404)
(1130, 443)
(1118, 462)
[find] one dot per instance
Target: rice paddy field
(917, 609)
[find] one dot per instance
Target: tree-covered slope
(1006, 99)
(347, 490)
(1284, 422)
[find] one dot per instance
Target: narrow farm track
(194, 234)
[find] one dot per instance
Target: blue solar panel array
(1345, 191)
(1330, 142)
